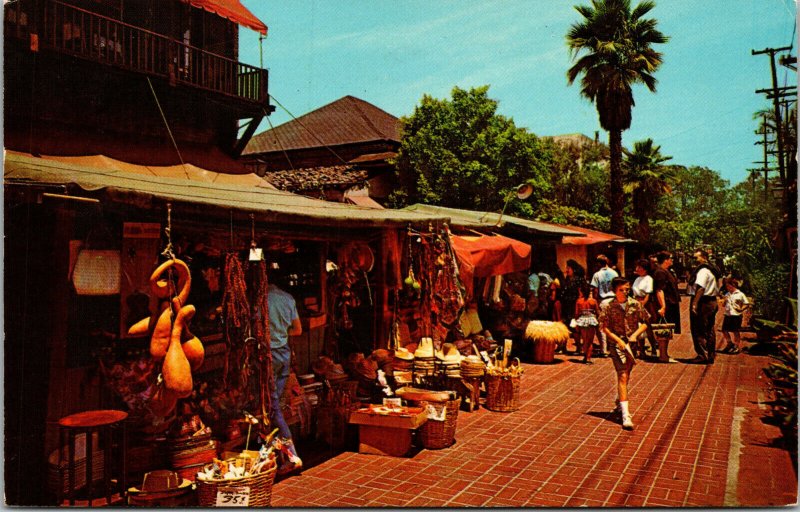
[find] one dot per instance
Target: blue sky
(392, 53)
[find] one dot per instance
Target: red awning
(484, 256)
(232, 10)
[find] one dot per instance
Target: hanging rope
(168, 250)
(164, 118)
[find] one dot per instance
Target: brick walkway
(699, 442)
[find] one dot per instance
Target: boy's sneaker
(627, 422)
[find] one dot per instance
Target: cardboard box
(394, 442)
(416, 416)
(390, 435)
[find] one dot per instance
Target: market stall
(168, 326)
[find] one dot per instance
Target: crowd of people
(610, 316)
(620, 314)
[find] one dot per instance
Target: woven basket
(472, 370)
(502, 393)
(260, 486)
(435, 435)
(58, 474)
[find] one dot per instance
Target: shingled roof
(315, 178)
(345, 121)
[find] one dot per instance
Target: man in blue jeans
(283, 322)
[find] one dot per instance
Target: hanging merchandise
(247, 376)
(433, 280)
(97, 268)
(171, 341)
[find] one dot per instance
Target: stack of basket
(473, 370)
(58, 471)
(189, 454)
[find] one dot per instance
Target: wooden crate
(386, 435)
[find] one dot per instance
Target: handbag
(97, 270)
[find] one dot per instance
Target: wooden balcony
(70, 30)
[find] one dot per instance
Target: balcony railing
(81, 33)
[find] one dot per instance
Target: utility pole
(775, 93)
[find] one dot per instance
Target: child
(735, 304)
(623, 320)
(586, 321)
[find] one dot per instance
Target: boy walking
(623, 320)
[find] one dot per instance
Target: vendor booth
(142, 295)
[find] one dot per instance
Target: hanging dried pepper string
(262, 334)
(235, 306)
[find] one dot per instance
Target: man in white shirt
(703, 311)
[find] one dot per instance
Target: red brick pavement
(699, 442)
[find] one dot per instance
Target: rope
(272, 128)
(164, 118)
(168, 252)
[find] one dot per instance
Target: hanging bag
(97, 267)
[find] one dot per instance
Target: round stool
(105, 423)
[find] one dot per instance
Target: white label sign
(233, 497)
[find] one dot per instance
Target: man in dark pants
(703, 312)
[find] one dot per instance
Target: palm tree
(646, 179)
(617, 42)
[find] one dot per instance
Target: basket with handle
(435, 434)
(258, 487)
(502, 389)
(662, 330)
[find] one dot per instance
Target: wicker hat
(322, 365)
(367, 369)
(351, 363)
(425, 348)
(381, 356)
(403, 353)
(449, 354)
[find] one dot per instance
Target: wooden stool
(474, 398)
(105, 423)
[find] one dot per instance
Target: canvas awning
(188, 171)
(484, 256)
(232, 10)
(591, 237)
(141, 189)
(477, 220)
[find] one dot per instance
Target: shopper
(586, 322)
(623, 320)
(703, 311)
(283, 322)
(668, 297)
(642, 290)
(602, 292)
(735, 304)
(574, 277)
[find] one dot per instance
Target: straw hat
(449, 354)
(403, 353)
(425, 348)
(367, 369)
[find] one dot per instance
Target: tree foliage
(461, 153)
(613, 50)
(646, 179)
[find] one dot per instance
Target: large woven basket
(435, 435)
(259, 486)
(502, 392)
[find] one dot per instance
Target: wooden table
(105, 423)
